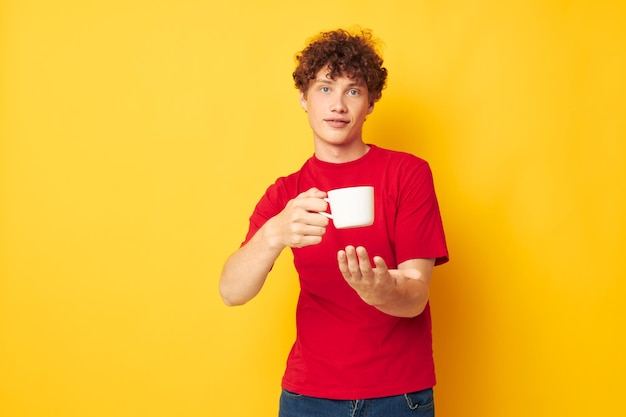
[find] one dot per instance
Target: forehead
(324, 76)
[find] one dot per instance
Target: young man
(363, 343)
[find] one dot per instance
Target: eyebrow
(327, 81)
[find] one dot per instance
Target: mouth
(338, 123)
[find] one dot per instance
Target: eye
(353, 92)
(325, 89)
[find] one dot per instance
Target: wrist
(270, 238)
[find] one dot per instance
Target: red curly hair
(352, 54)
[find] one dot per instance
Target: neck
(341, 154)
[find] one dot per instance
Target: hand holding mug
(299, 223)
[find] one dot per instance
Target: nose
(338, 104)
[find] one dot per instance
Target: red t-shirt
(346, 349)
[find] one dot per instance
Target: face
(336, 110)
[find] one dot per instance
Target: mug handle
(323, 213)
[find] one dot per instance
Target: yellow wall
(136, 136)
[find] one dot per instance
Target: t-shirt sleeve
(419, 228)
(272, 203)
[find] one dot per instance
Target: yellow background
(136, 137)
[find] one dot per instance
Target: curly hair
(352, 54)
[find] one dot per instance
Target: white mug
(351, 207)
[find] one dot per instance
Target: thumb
(401, 275)
(313, 192)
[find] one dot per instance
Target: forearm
(245, 271)
(299, 224)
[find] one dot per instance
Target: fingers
(349, 263)
(354, 263)
(374, 284)
(364, 265)
(381, 265)
(312, 201)
(306, 232)
(312, 193)
(299, 224)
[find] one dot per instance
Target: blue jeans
(415, 404)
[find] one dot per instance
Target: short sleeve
(419, 228)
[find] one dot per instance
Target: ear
(371, 109)
(303, 102)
